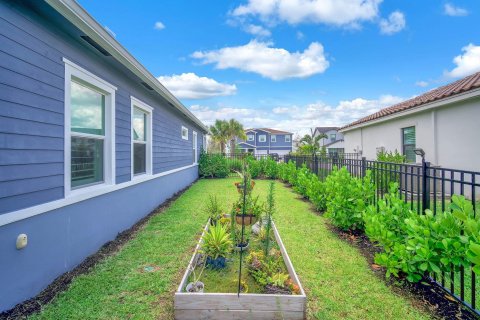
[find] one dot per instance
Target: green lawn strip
(119, 288)
(337, 278)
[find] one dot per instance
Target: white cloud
(451, 10)
(191, 86)
(273, 63)
(332, 12)
(257, 30)
(395, 23)
(422, 84)
(466, 63)
(298, 119)
(159, 25)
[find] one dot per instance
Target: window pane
(409, 135)
(87, 161)
(87, 110)
(139, 125)
(139, 158)
(409, 153)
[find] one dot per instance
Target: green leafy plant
(278, 279)
(213, 165)
(213, 209)
(216, 242)
(347, 198)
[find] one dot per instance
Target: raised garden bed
(231, 305)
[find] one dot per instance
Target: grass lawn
(337, 278)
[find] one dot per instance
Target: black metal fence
(422, 186)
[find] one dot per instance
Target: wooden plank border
(246, 306)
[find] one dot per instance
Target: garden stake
(243, 228)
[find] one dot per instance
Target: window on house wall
(333, 136)
(184, 133)
(287, 138)
(141, 138)
(250, 137)
(262, 138)
(89, 129)
(273, 138)
(408, 144)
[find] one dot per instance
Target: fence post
(425, 185)
(315, 163)
(364, 166)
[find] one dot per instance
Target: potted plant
(216, 245)
(245, 178)
(196, 286)
(253, 210)
(213, 209)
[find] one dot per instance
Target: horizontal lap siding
(32, 111)
(31, 118)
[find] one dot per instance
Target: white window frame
(250, 137)
(273, 138)
(287, 138)
(136, 103)
(260, 136)
(184, 137)
(79, 74)
(195, 146)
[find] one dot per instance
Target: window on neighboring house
(273, 138)
(262, 138)
(250, 137)
(333, 136)
(408, 144)
(141, 138)
(184, 133)
(287, 138)
(89, 129)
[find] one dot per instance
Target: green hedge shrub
(347, 198)
(213, 165)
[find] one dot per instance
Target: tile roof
(273, 131)
(333, 142)
(466, 84)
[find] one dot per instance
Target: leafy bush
(418, 244)
(302, 180)
(213, 165)
(316, 192)
(347, 198)
(235, 165)
(270, 169)
(254, 167)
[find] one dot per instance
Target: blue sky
(296, 64)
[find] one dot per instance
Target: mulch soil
(60, 284)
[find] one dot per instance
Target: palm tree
(235, 130)
(220, 133)
(311, 143)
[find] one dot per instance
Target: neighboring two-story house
(334, 140)
(266, 141)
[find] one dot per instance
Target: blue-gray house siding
(34, 39)
(280, 146)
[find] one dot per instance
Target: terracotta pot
(247, 219)
(240, 186)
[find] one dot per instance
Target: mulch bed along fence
(62, 283)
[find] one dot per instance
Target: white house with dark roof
(333, 142)
(266, 141)
(444, 122)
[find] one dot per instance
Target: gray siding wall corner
(32, 80)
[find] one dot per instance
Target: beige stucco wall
(450, 135)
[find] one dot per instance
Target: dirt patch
(425, 294)
(60, 284)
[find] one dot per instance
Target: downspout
(434, 137)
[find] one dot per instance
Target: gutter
(80, 18)
(423, 107)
